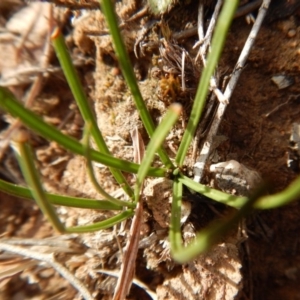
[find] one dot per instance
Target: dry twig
(50, 259)
(128, 266)
(207, 147)
(135, 281)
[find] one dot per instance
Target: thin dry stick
(128, 265)
(206, 150)
(62, 243)
(140, 14)
(135, 281)
(185, 34)
(33, 92)
(26, 34)
(208, 35)
(49, 258)
(280, 105)
(248, 8)
(130, 253)
(205, 42)
(200, 23)
(201, 130)
(183, 87)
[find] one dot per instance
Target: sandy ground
(263, 263)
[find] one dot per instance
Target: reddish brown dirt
(272, 259)
(271, 254)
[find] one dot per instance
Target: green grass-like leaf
(10, 104)
(156, 141)
(22, 192)
(218, 41)
(206, 237)
(127, 69)
(26, 162)
(82, 102)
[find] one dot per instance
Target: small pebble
(235, 178)
(282, 81)
(291, 33)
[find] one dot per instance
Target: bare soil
(262, 264)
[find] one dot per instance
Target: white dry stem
(50, 259)
(135, 281)
(183, 87)
(246, 50)
(61, 244)
(200, 23)
(205, 41)
(206, 150)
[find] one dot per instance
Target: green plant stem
(26, 162)
(219, 196)
(93, 179)
(155, 142)
(208, 236)
(26, 193)
(174, 232)
(218, 40)
(82, 102)
(9, 103)
(289, 194)
(25, 158)
(101, 225)
(126, 66)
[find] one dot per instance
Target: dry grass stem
(128, 265)
(207, 147)
(50, 259)
(134, 281)
(204, 42)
